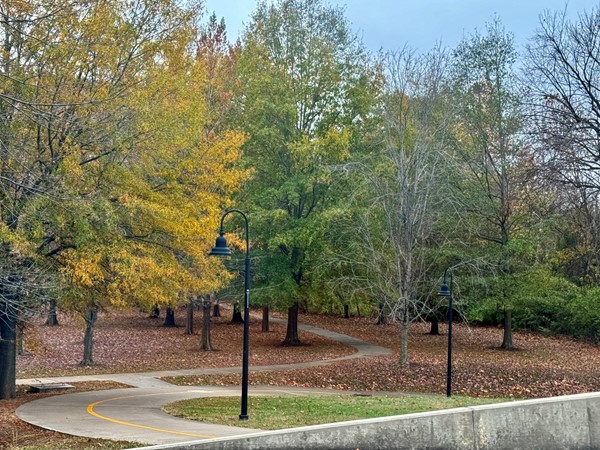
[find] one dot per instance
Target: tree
(489, 147)
(24, 284)
(52, 313)
(205, 341)
(579, 235)
(389, 251)
(189, 317)
(169, 318)
(27, 161)
(303, 78)
(219, 59)
(562, 70)
(107, 175)
(167, 190)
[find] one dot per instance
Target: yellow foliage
(138, 223)
(84, 269)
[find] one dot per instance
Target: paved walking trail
(135, 415)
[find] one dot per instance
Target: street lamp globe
(220, 248)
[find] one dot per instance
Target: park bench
(48, 387)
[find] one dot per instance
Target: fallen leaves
(541, 366)
(130, 341)
(14, 433)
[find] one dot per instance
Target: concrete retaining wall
(569, 422)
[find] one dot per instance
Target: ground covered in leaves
(16, 434)
(540, 366)
(131, 342)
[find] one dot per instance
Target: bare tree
(563, 72)
(562, 69)
(389, 262)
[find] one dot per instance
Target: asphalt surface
(134, 414)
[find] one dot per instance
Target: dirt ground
(131, 341)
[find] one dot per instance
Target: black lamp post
(446, 291)
(221, 249)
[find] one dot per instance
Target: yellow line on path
(91, 406)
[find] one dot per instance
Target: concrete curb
(568, 422)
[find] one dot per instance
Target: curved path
(135, 415)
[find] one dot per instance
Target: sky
(420, 24)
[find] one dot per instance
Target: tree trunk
(346, 311)
(20, 336)
(169, 318)
(435, 326)
(237, 314)
(52, 315)
(205, 343)
(507, 343)
(155, 312)
(90, 318)
(404, 343)
(381, 315)
(265, 319)
(189, 318)
(8, 355)
(216, 310)
(291, 336)
(358, 310)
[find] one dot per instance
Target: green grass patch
(274, 413)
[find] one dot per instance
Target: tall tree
(106, 171)
(166, 191)
(30, 138)
(219, 59)
(562, 69)
(489, 147)
(388, 253)
(304, 78)
(563, 74)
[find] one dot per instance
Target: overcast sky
(390, 24)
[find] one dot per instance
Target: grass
(274, 413)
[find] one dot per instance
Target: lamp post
(446, 291)
(221, 249)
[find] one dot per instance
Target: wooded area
(128, 127)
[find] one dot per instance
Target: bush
(483, 312)
(544, 302)
(582, 316)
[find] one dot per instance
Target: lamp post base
(244, 416)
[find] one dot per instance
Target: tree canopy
(127, 128)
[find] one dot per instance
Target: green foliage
(271, 282)
(541, 301)
(303, 79)
(582, 317)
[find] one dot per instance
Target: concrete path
(135, 414)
